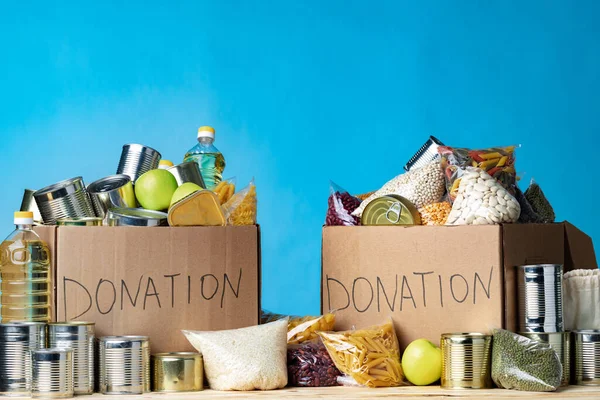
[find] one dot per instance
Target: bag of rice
(244, 359)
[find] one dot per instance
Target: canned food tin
(79, 336)
(52, 371)
(111, 191)
(177, 372)
(561, 343)
(466, 361)
(540, 298)
(427, 153)
(137, 159)
(135, 217)
(187, 172)
(17, 339)
(390, 210)
(28, 204)
(86, 221)
(124, 364)
(587, 357)
(67, 198)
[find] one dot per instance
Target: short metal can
(124, 363)
(561, 343)
(466, 361)
(68, 198)
(587, 357)
(390, 210)
(177, 372)
(79, 336)
(111, 191)
(52, 373)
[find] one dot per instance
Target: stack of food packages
(445, 185)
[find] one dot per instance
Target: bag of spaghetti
(371, 356)
(240, 209)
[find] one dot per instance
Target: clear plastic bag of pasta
(370, 356)
(240, 209)
(301, 329)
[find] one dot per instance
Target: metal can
(67, 198)
(466, 361)
(124, 364)
(17, 340)
(187, 172)
(540, 298)
(28, 204)
(135, 217)
(391, 209)
(111, 191)
(177, 372)
(79, 336)
(52, 372)
(426, 154)
(137, 159)
(587, 357)
(561, 343)
(86, 221)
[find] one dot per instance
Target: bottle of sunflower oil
(209, 158)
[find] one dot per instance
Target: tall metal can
(124, 364)
(587, 357)
(177, 372)
(79, 336)
(466, 359)
(561, 343)
(17, 340)
(137, 159)
(52, 373)
(540, 298)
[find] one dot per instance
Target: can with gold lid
(466, 361)
(177, 372)
(391, 209)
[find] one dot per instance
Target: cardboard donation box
(158, 281)
(438, 279)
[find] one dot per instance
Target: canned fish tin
(177, 372)
(17, 339)
(587, 357)
(79, 336)
(187, 172)
(28, 204)
(540, 298)
(135, 217)
(390, 210)
(86, 221)
(137, 159)
(67, 198)
(111, 191)
(52, 372)
(466, 361)
(561, 343)
(124, 363)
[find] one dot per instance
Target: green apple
(422, 362)
(184, 190)
(155, 188)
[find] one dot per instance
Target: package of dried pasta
(370, 356)
(302, 329)
(240, 209)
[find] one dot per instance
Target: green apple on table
(155, 188)
(422, 362)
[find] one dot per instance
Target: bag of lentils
(524, 364)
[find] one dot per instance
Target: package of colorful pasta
(240, 209)
(370, 356)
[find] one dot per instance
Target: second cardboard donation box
(158, 281)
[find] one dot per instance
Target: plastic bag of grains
(524, 364)
(301, 329)
(309, 364)
(244, 359)
(340, 206)
(539, 202)
(421, 187)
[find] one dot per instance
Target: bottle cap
(23, 218)
(206, 131)
(164, 164)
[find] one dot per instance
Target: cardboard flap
(579, 249)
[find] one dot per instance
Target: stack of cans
(541, 310)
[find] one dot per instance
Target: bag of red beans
(341, 204)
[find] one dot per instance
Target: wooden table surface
(408, 392)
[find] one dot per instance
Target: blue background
(301, 92)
